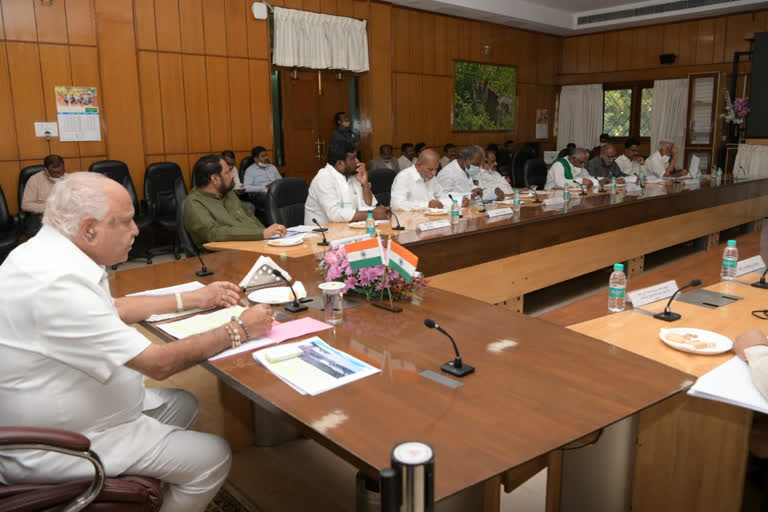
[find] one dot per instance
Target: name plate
(632, 188)
(553, 201)
(499, 212)
(348, 240)
(651, 294)
(749, 265)
(435, 224)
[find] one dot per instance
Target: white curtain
(751, 161)
(319, 41)
(670, 104)
(580, 119)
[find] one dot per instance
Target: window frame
(636, 89)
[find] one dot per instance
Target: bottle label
(616, 293)
(454, 213)
(370, 230)
(729, 263)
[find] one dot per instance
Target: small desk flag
(402, 260)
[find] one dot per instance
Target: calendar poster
(78, 113)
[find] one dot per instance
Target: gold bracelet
(242, 324)
(234, 335)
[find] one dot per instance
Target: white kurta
(556, 176)
(404, 163)
(411, 192)
(757, 356)
(491, 180)
(628, 166)
(63, 349)
(455, 181)
(334, 198)
(656, 165)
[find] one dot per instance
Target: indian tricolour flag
(365, 253)
(402, 260)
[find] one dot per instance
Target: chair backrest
(180, 194)
(535, 173)
(118, 171)
(159, 182)
(381, 184)
(7, 223)
(285, 201)
(518, 167)
(24, 176)
(245, 163)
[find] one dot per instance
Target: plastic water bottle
(516, 201)
(566, 192)
(455, 212)
(730, 258)
(613, 184)
(617, 287)
(370, 224)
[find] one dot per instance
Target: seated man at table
(407, 156)
(385, 160)
(630, 162)
(661, 164)
(460, 177)
(340, 191)
(449, 154)
(570, 169)
(260, 174)
(752, 347)
(604, 167)
(489, 177)
(36, 191)
(69, 358)
(416, 188)
(567, 150)
(214, 213)
(604, 139)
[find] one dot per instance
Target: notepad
(730, 383)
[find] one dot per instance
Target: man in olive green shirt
(214, 213)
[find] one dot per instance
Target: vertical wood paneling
(86, 161)
(718, 55)
(28, 103)
(8, 144)
(524, 60)
(596, 43)
(218, 103)
(293, 4)
(172, 99)
(738, 26)
(2, 23)
(51, 23)
(214, 14)
(655, 44)
(260, 103)
(415, 41)
(9, 181)
(328, 7)
(257, 38)
(196, 102)
(73, 163)
(236, 12)
(151, 104)
(19, 16)
(705, 41)
(81, 25)
(568, 63)
(345, 8)
(429, 42)
(240, 104)
(311, 5)
(687, 33)
(144, 12)
(85, 71)
(55, 66)
(400, 45)
(610, 52)
(167, 25)
(191, 22)
(672, 39)
(182, 160)
(443, 45)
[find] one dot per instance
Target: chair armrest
(45, 436)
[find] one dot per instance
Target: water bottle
(516, 201)
(455, 212)
(730, 258)
(617, 286)
(566, 192)
(613, 184)
(642, 175)
(370, 224)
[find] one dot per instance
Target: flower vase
(734, 133)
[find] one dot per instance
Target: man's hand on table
(217, 294)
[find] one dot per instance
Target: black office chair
(285, 201)
(381, 184)
(9, 229)
(29, 222)
(245, 163)
(518, 165)
(185, 241)
(506, 169)
(535, 171)
(159, 183)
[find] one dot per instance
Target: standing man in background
(343, 133)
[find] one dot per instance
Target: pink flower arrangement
(736, 111)
(367, 281)
(741, 107)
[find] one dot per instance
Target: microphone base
(295, 308)
(465, 369)
(398, 228)
(761, 284)
(203, 272)
(324, 244)
(667, 316)
(320, 230)
(582, 193)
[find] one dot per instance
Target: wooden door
(308, 108)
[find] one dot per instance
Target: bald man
(661, 164)
(416, 188)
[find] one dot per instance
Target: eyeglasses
(762, 314)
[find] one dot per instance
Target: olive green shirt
(210, 219)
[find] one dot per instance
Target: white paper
(46, 129)
(499, 212)
(200, 323)
(542, 131)
(170, 290)
(553, 201)
(730, 383)
(435, 224)
(749, 265)
(645, 296)
(302, 229)
(694, 168)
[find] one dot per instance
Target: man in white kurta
(416, 188)
(489, 177)
(340, 191)
(460, 177)
(661, 164)
(630, 162)
(558, 173)
(407, 156)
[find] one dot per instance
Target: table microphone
(392, 213)
(294, 307)
(581, 185)
(761, 283)
(535, 195)
(641, 182)
(454, 367)
(320, 229)
(668, 315)
(204, 270)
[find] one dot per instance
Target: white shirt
(444, 161)
(334, 198)
(455, 181)
(491, 180)
(656, 164)
(556, 176)
(627, 166)
(411, 192)
(757, 357)
(404, 163)
(63, 348)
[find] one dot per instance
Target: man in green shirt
(214, 213)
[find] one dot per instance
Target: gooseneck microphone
(455, 367)
(668, 315)
(203, 269)
(535, 195)
(392, 213)
(641, 182)
(761, 283)
(294, 307)
(581, 186)
(320, 229)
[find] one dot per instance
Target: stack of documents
(730, 383)
(316, 367)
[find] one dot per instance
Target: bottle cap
(732, 243)
(618, 267)
(455, 201)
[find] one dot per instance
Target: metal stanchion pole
(409, 486)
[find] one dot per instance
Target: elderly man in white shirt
(69, 360)
(630, 162)
(340, 191)
(489, 178)
(416, 188)
(570, 169)
(661, 164)
(460, 177)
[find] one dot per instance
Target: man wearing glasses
(570, 169)
(604, 166)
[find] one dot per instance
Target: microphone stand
(294, 307)
(320, 229)
(398, 227)
(455, 367)
(581, 185)
(535, 195)
(203, 270)
(639, 181)
(761, 283)
(668, 315)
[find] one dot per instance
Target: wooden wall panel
(151, 104)
(81, 25)
(85, 71)
(214, 14)
(144, 13)
(261, 110)
(237, 12)
(182, 160)
(28, 103)
(328, 7)
(218, 103)
(293, 4)
(240, 105)
(258, 38)
(9, 181)
(718, 54)
(191, 22)
(172, 99)
(9, 149)
(55, 67)
(596, 43)
(2, 23)
(196, 102)
(168, 25)
(311, 5)
(87, 161)
(705, 42)
(51, 23)
(611, 55)
(19, 18)
(72, 164)
(345, 8)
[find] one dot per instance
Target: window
(627, 110)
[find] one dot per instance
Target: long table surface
(540, 388)
(535, 227)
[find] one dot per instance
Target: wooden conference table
(482, 257)
(690, 453)
(537, 386)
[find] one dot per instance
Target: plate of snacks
(695, 341)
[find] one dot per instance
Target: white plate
(286, 242)
(435, 211)
(721, 343)
(277, 294)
